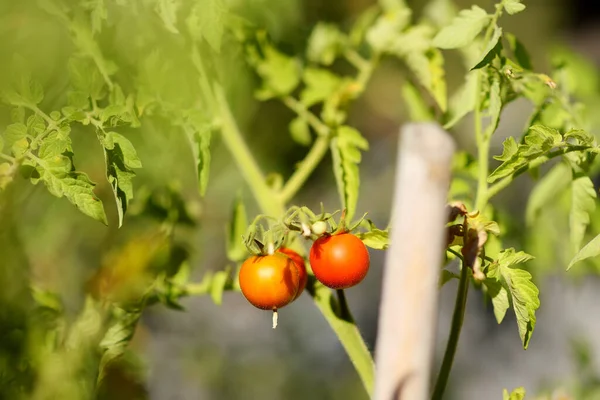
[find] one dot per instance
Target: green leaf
(522, 293)
(24, 90)
(325, 43)
(6, 175)
(76, 187)
(428, 67)
(364, 21)
(199, 133)
(17, 114)
(116, 339)
(300, 131)
(517, 394)
(591, 249)
(53, 146)
(463, 100)
(418, 110)
(582, 137)
(120, 158)
(98, 13)
(203, 162)
(446, 276)
(510, 149)
(206, 20)
(513, 6)
(35, 125)
(499, 296)
(383, 35)
(583, 203)
(495, 106)
(492, 48)
(320, 85)
(130, 157)
(345, 149)
(47, 299)
(167, 11)
(463, 29)
(14, 133)
(519, 51)
(376, 239)
(538, 142)
(280, 73)
(86, 80)
(547, 190)
(236, 250)
(20, 147)
(217, 287)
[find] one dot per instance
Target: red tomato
(299, 261)
(269, 282)
(339, 261)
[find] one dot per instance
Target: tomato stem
(457, 322)
(343, 303)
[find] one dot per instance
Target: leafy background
(229, 351)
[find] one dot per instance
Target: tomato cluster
(269, 282)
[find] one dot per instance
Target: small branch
(358, 61)
(348, 335)
(233, 139)
(42, 114)
(320, 128)
(307, 166)
(457, 322)
(7, 157)
(504, 182)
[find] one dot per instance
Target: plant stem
(348, 335)
(232, 138)
(343, 303)
(457, 321)
(504, 182)
(310, 162)
(482, 137)
(320, 128)
(7, 157)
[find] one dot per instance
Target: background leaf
(463, 29)
(345, 149)
(583, 202)
(591, 249)
(207, 20)
(547, 189)
(238, 223)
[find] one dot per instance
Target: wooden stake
(408, 309)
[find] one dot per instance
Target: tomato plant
(147, 116)
(339, 261)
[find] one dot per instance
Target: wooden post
(408, 309)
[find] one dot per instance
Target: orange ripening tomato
(299, 261)
(269, 282)
(339, 261)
